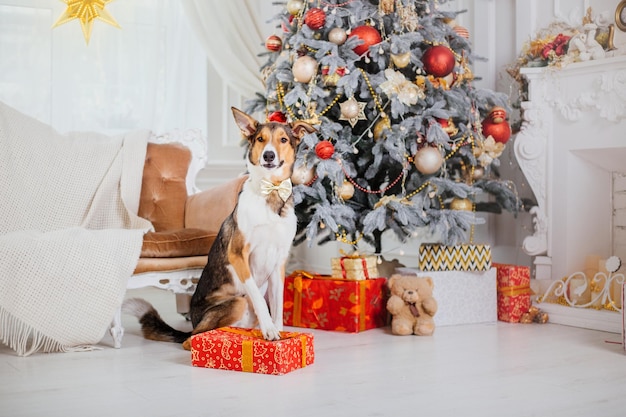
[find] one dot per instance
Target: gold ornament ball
(295, 6)
(302, 175)
(497, 114)
(349, 109)
(461, 204)
(380, 126)
(346, 191)
(428, 160)
(401, 60)
(304, 69)
(337, 36)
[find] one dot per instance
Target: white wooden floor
(471, 370)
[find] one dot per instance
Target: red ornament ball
(369, 35)
(273, 43)
(315, 18)
(277, 116)
(438, 60)
(324, 149)
(500, 132)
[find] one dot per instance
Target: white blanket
(69, 234)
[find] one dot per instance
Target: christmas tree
(404, 140)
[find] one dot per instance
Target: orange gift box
(513, 291)
(322, 302)
(245, 350)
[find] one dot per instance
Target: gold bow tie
(284, 188)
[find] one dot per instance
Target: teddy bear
(411, 305)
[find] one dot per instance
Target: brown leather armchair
(185, 223)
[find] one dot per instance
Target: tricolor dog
(242, 283)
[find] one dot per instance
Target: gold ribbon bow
(283, 189)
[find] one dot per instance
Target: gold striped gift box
(433, 257)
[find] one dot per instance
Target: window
(150, 74)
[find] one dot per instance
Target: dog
(242, 282)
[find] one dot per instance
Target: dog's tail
(152, 325)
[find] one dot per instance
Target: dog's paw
(271, 333)
(187, 344)
(279, 326)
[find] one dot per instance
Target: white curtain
(232, 34)
(150, 74)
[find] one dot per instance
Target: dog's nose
(269, 156)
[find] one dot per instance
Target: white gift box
(463, 297)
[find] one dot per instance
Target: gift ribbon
(362, 304)
(247, 362)
(343, 268)
(297, 301)
(303, 340)
(515, 290)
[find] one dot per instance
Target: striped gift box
(466, 257)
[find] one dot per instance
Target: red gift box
(245, 350)
(322, 302)
(513, 291)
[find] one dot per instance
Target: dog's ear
(300, 129)
(247, 124)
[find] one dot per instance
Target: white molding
(215, 173)
(587, 318)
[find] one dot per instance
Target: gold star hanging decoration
(314, 118)
(86, 11)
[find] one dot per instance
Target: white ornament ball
(304, 69)
(337, 36)
(428, 160)
(401, 60)
(478, 172)
(346, 191)
(350, 109)
(449, 79)
(302, 175)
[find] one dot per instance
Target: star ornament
(86, 11)
(352, 111)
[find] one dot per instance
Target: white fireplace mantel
(573, 137)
